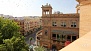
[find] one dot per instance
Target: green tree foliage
(2, 47)
(39, 48)
(30, 39)
(10, 38)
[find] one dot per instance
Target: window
(54, 24)
(58, 36)
(73, 24)
(73, 38)
(53, 35)
(63, 24)
(68, 37)
(38, 38)
(21, 23)
(46, 32)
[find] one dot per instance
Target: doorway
(73, 38)
(69, 38)
(54, 48)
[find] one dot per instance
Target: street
(33, 35)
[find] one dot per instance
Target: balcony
(54, 38)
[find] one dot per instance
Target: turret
(46, 9)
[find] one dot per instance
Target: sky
(33, 7)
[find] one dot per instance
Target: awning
(64, 32)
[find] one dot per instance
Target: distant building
(1, 15)
(6, 16)
(20, 22)
(57, 28)
(28, 24)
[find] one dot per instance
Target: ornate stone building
(84, 41)
(57, 28)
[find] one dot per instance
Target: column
(71, 38)
(66, 37)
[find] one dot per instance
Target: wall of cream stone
(85, 19)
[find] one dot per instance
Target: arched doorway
(54, 48)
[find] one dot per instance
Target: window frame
(63, 24)
(73, 24)
(54, 23)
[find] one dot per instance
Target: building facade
(84, 41)
(84, 7)
(57, 28)
(20, 21)
(27, 24)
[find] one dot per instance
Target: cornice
(77, 0)
(81, 0)
(85, 3)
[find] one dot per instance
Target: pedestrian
(31, 48)
(67, 42)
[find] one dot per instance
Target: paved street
(33, 35)
(34, 38)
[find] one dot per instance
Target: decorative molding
(85, 4)
(81, 0)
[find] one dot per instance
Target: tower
(46, 9)
(85, 16)
(46, 24)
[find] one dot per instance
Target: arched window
(46, 32)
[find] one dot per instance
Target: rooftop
(47, 5)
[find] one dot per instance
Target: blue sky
(33, 7)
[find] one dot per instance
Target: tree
(2, 47)
(39, 48)
(8, 28)
(30, 39)
(10, 38)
